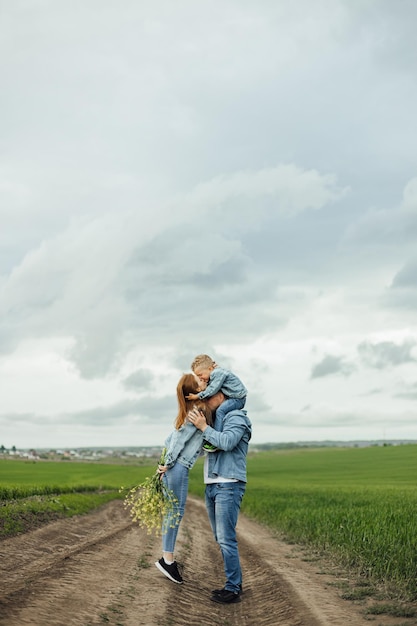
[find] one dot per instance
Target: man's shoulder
(238, 414)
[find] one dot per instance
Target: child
(218, 379)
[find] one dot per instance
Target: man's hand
(193, 396)
(197, 418)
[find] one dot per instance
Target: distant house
(32, 455)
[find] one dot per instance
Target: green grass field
(34, 493)
(30, 475)
(355, 505)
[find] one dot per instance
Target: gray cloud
(406, 277)
(143, 410)
(256, 404)
(373, 392)
(409, 392)
(407, 395)
(138, 380)
(386, 353)
(330, 365)
(402, 292)
(316, 419)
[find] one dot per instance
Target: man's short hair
(202, 360)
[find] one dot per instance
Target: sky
(229, 177)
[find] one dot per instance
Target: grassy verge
(373, 533)
(32, 494)
(59, 475)
(25, 514)
(18, 492)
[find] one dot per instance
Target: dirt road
(99, 569)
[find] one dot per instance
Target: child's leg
(231, 404)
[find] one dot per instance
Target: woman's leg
(176, 479)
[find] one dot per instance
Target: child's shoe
(208, 447)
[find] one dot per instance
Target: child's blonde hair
(189, 384)
(202, 360)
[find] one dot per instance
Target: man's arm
(233, 430)
(229, 437)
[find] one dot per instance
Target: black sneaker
(226, 597)
(170, 571)
(208, 447)
(216, 592)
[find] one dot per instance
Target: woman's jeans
(175, 478)
(223, 502)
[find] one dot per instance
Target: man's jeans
(223, 502)
(175, 478)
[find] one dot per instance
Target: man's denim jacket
(183, 445)
(231, 435)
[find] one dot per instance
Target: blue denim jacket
(231, 435)
(225, 381)
(183, 445)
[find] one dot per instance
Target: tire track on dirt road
(266, 600)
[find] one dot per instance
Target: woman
(183, 447)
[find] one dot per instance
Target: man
(225, 479)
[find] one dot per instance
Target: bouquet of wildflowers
(152, 504)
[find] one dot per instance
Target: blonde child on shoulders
(218, 379)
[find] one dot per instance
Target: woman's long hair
(189, 384)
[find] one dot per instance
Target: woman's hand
(161, 471)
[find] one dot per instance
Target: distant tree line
(3, 449)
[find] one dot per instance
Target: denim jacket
(225, 381)
(231, 435)
(183, 445)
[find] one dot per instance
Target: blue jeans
(231, 404)
(175, 478)
(223, 502)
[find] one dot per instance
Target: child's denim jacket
(225, 381)
(183, 445)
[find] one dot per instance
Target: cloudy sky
(233, 177)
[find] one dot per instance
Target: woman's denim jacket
(183, 445)
(231, 435)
